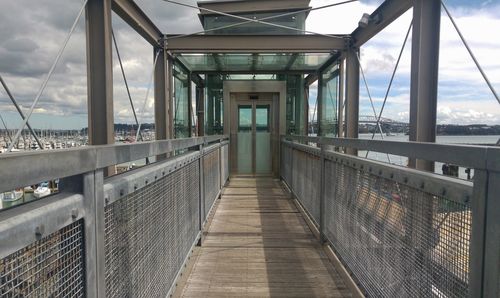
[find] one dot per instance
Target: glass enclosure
(289, 67)
(181, 102)
(329, 83)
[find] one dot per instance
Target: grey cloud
(21, 45)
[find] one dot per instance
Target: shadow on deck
(259, 245)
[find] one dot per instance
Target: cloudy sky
(30, 39)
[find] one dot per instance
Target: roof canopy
(254, 63)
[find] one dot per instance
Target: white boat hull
(41, 192)
(11, 196)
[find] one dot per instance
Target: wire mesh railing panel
(53, 266)
(398, 241)
(306, 181)
(286, 163)
(148, 234)
(211, 178)
(224, 163)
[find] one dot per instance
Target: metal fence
(402, 232)
(212, 177)
(124, 236)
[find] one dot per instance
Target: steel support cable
(20, 112)
(392, 77)
(472, 56)
(125, 80)
(263, 19)
(6, 129)
(470, 53)
(49, 74)
(147, 95)
(369, 95)
(248, 19)
(372, 105)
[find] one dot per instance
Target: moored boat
(11, 196)
(42, 191)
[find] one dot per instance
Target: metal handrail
(471, 156)
(27, 168)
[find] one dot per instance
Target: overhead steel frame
(352, 97)
(99, 64)
(100, 73)
(255, 44)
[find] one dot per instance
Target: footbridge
(231, 198)
(333, 225)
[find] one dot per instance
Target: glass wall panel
(181, 102)
(328, 101)
(214, 105)
(295, 104)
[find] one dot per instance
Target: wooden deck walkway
(259, 245)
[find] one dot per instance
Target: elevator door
(253, 138)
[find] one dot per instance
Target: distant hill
(466, 130)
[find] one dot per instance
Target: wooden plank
(259, 245)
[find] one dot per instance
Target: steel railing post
(201, 203)
(491, 271)
(322, 194)
(220, 164)
(93, 192)
(485, 235)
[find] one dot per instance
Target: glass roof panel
(253, 63)
(199, 61)
(310, 61)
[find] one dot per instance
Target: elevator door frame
(265, 98)
(254, 105)
(232, 87)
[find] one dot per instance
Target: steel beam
(306, 110)
(200, 109)
(415, 45)
(162, 100)
(319, 105)
(190, 105)
(170, 97)
(100, 73)
(255, 44)
(427, 76)
(310, 79)
(352, 100)
(388, 11)
(340, 117)
(130, 12)
(198, 80)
